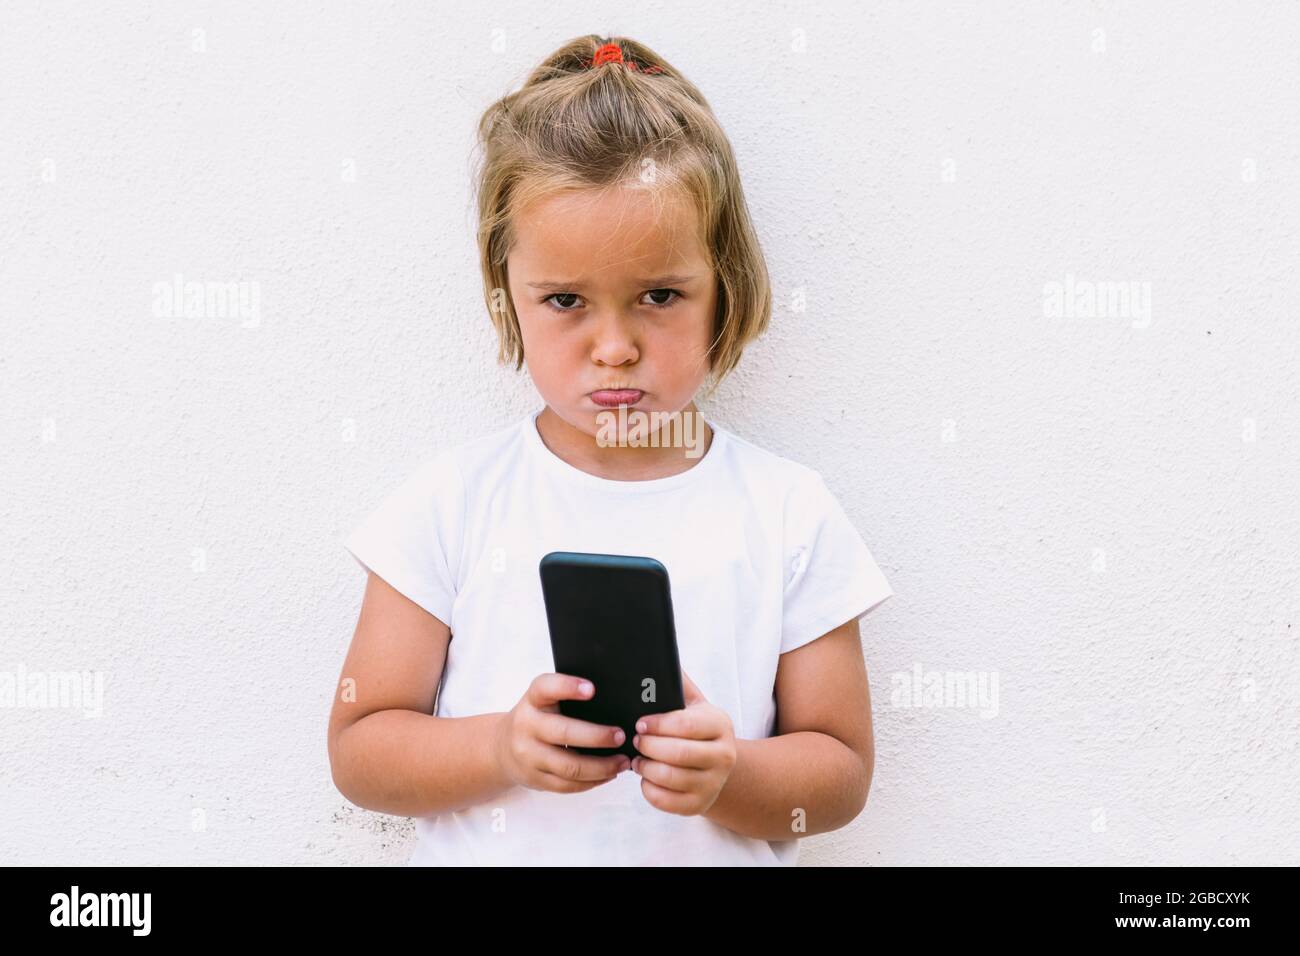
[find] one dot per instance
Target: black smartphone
(611, 621)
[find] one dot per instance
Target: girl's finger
(573, 732)
(560, 784)
(669, 801)
(678, 751)
(668, 776)
(690, 692)
(701, 722)
(556, 760)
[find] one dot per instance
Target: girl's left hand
(687, 754)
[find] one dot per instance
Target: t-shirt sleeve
(830, 575)
(412, 539)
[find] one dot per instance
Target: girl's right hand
(531, 740)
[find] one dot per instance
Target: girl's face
(611, 295)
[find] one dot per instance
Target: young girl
(620, 265)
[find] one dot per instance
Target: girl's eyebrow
(655, 282)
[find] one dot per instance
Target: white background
(1071, 506)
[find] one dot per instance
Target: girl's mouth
(607, 398)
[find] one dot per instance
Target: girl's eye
(560, 295)
(568, 307)
(664, 305)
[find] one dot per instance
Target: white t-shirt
(761, 559)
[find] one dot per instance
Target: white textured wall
(1070, 506)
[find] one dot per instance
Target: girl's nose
(615, 341)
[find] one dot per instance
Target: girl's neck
(676, 446)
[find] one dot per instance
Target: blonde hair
(574, 126)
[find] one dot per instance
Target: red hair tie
(613, 53)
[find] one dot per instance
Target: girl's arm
(815, 772)
(387, 751)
